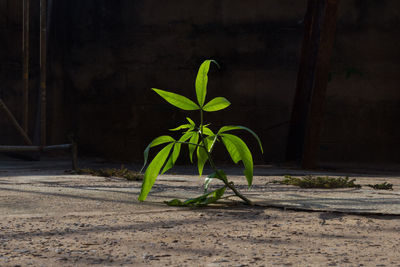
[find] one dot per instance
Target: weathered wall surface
(363, 102)
(106, 55)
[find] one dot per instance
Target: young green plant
(202, 140)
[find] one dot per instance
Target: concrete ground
(50, 217)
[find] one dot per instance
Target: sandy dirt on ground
(234, 236)
(56, 227)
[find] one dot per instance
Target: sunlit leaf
(191, 121)
(175, 152)
(158, 141)
(172, 158)
(218, 103)
(203, 200)
(207, 131)
(176, 100)
(239, 152)
(181, 127)
(231, 128)
(153, 170)
(174, 203)
(213, 139)
(220, 174)
(202, 81)
(186, 136)
(207, 183)
(202, 157)
(194, 140)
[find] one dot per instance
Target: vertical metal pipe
(25, 60)
(43, 70)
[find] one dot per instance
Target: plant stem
(231, 185)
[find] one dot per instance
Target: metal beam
(72, 147)
(25, 60)
(43, 70)
(15, 122)
(308, 108)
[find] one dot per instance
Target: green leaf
(158, 141)
(218, 103)
(176, 100)
(220, 174)
(207, 183)
(239, 152)
(191, 121)
(175, 153)
(202, 81)
(181, 127)
(153, 170)
(207, 131)
(202, 200)
(186, 136)
(174, 203)
(213, 139)
(202, 157)
(230, 128)
(194, 140)
(172, 158)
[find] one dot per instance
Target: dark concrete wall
(363, 109)
(106, 55)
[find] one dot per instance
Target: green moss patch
(319, 182)
(120, 173)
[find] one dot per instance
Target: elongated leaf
(191, 121)
(231, 128)
(168, 165)
(153, 170)
(176, 152)
(218, 103)
(172, 158)
(207, 183)
(202, 157)
(176, 100)
(232, 149)
(174, 203)
(158, 141)
(186, 136)
(239, 152)
(220, 174)
(213, 141)
(194, 140)
(202, 81)
(207, 131)
(203, 200)
(181, 127)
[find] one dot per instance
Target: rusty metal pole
(307, 115)
(304, 77)
(43, 70)
(25, 60)
(316, 109)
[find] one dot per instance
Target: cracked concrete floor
(49, 218)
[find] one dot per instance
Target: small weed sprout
(319, 182)
(120, 173)
(382, 186)
(201, 140)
